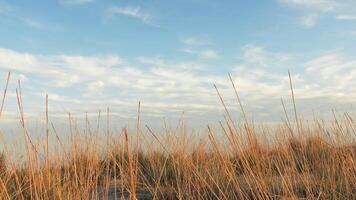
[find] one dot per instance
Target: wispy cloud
(62, 70)
(195, 41)
(76, 2)
(4, 8)
(134, 12)
(310, 20)
(319, 5)
(335, 72)
(346, 17)
(8, 11)
(31, 22)
(200, 47)
(202, 53)
(313, 9)
(155, 61)
(170, 87)
(95, 86)
(259, 55)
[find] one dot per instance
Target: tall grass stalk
(233, 160)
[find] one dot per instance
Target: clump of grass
(305, 160)
(313, 167)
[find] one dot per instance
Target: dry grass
(306, 160)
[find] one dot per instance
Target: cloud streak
(76, 2)
(199, 47)
(314, 9)
(202, 53)
(134, 12)
(8, 11)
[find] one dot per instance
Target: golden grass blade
(4, 94)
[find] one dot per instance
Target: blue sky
(91, 54)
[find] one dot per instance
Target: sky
(88, 55)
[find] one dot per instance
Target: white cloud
(62, 70)
(86, 83)
(95, 86)
(346, 17)
(334, 71)
(58, 98)
(134, 12)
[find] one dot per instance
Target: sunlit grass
(309, 160)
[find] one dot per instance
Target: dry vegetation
(306, 160)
